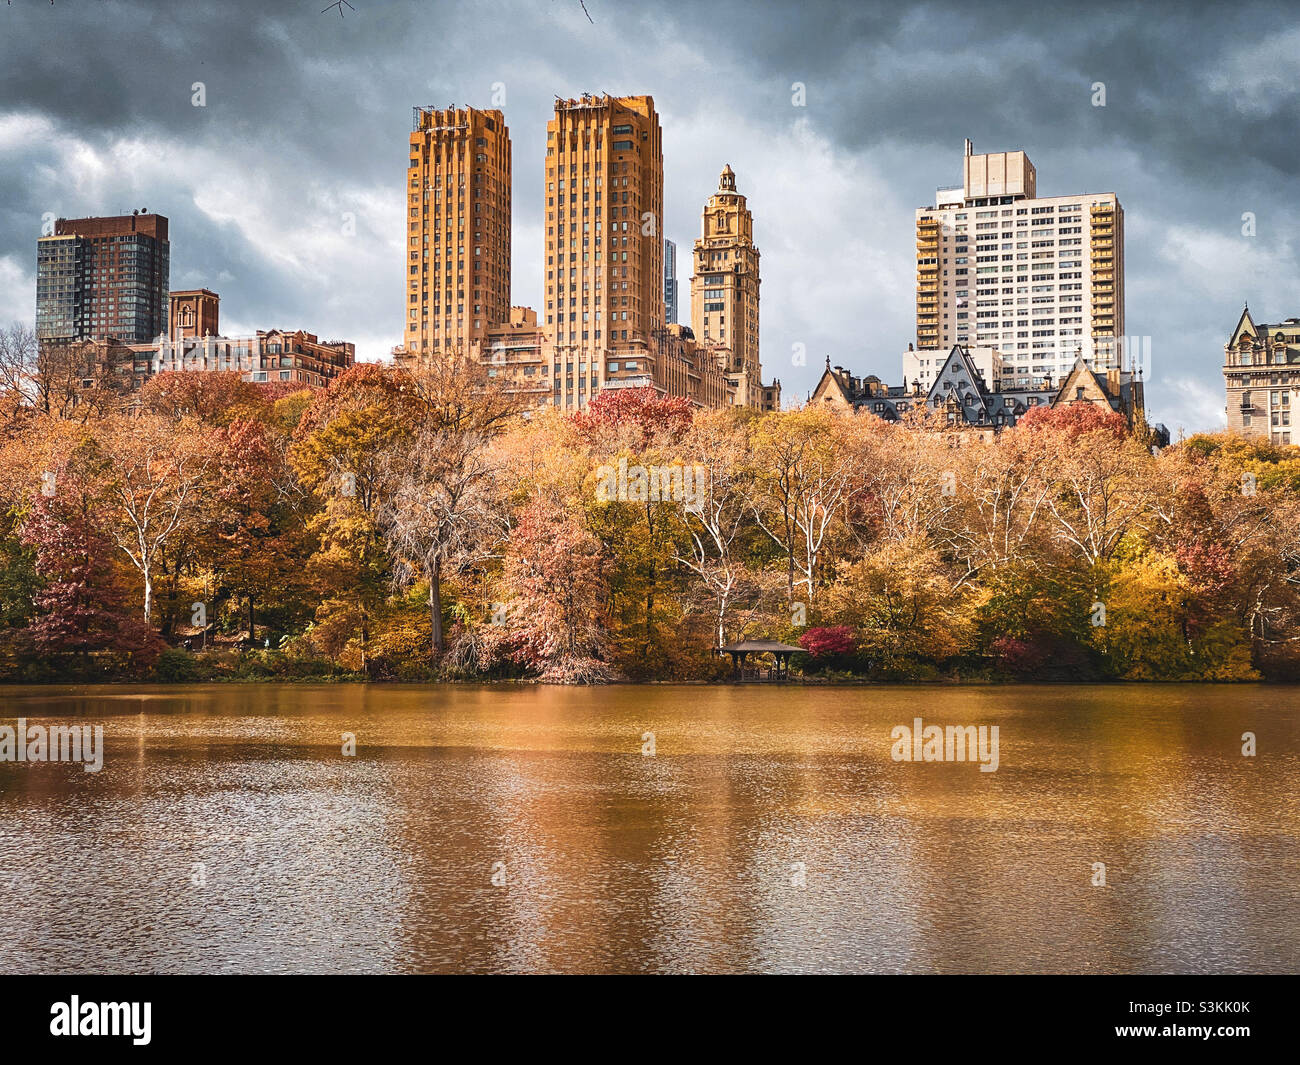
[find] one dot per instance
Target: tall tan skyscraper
(1041, 279)
(724, 287)
(604, 266)
(458, 229)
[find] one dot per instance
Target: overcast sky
(307, 116)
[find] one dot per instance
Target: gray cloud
(307, 116)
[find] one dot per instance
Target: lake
(531, 829)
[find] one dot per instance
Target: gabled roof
(833, 386)
(959, 381)
(1245, 324)
(1093, 384)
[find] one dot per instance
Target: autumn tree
(81, 380)
(215, 397)
(437, 508)
(806, 477)
(718, 516)
(899, 599)
(554, 576)
(340, 452)
(80, 610)
(159, 478)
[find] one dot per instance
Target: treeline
(416, 525)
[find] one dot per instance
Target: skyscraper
(103, 277)
(604, 312)
(670, 282)
(1041, 279)
(458, 229)
(724, 288)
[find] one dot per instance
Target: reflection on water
(771, 831)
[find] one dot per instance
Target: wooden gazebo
(741, 651)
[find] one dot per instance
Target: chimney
(970, 148)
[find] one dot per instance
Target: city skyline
(310, 235)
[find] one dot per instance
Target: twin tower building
(606, 322)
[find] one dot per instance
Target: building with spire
(724, 293)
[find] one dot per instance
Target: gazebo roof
(759, 646)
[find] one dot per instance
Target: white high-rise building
(1041, 279)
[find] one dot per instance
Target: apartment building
(103, 277)
(194, 344)
(1261, 376)
(604, 269)
(458, 229)
(1040, 279)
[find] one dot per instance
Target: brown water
(689, 860)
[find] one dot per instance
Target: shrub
(175, 666)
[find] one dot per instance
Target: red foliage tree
(554, 574)
(825, 642)
(1075, 419)
(83, 607)
(654, 415)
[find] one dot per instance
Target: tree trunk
(148, 598)
(435, 607)
(251, 634)
(365, 636)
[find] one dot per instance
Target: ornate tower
(724, 288)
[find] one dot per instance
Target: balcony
(929, 245)
(1103, 208)
(927, 224)
(1103, 276)
(1105, 243)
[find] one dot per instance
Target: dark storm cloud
(307, 115)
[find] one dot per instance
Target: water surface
(504, 829)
